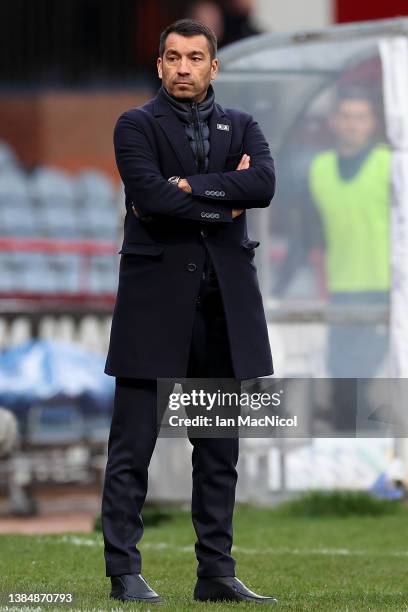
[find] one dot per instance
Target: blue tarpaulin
(40, 370)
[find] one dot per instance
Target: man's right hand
(243, 165)
(244, 162)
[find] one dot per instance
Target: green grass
(337, 503)
(313, 563)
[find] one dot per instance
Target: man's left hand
(184, 185)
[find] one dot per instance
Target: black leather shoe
(133, 587)
(227, 588)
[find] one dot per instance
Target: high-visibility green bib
(355, 215)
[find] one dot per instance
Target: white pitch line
(343, 552)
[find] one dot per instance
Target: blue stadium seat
(17, 217)
(103, 274)
(54, 195)
(29, 272)
(57, 221)
(8, 158)
(99, 223)
(50, 203)
(19, 221)
(7, 280)
(98, 214)
(39, 272)
(95, 186)
(64, 270)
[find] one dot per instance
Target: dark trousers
(132, 439)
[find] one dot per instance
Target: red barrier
(53, 245)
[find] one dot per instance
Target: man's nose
(183, 66)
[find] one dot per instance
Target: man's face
(353, 123)
(186, 68)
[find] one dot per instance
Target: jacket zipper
(198, 138)
(198, 135)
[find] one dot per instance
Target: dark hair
(354, 92)
(189, 27)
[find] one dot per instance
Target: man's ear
(214, 68)
(159, 67)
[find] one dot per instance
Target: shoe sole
(228, 596)
(149, 600)
(237, 599)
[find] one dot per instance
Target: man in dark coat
(188, 302)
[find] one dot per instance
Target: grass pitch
(313, 563)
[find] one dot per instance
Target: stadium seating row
(50, 203)
(57, 273)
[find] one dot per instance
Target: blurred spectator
(349, 186)
(210, 14)
(342, 198)
(230, 20)
(238, 21)
(19, 488)
(344, 216)
(8, 432)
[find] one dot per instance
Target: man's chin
(183, 92)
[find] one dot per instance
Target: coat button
(191, 267)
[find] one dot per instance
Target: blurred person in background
(20, 488)
(350, 188)
(339, 203)
(8, 432)
(231, 20)
(210, 14)
(341, 221)
(238, 21)
(188, 300)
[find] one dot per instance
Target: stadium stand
(53, 197)
(97, 214)
(58, 232)
(17, 216)
(8, 159)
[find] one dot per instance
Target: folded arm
(252, 187)
(149, 190)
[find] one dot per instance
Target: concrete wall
(287, 15)
(68, 129)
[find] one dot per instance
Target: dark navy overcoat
(163, 251)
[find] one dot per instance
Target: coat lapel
(220, 139)
(176, 135)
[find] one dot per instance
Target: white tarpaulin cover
(394, 56)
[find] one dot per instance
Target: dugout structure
(289, 83)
